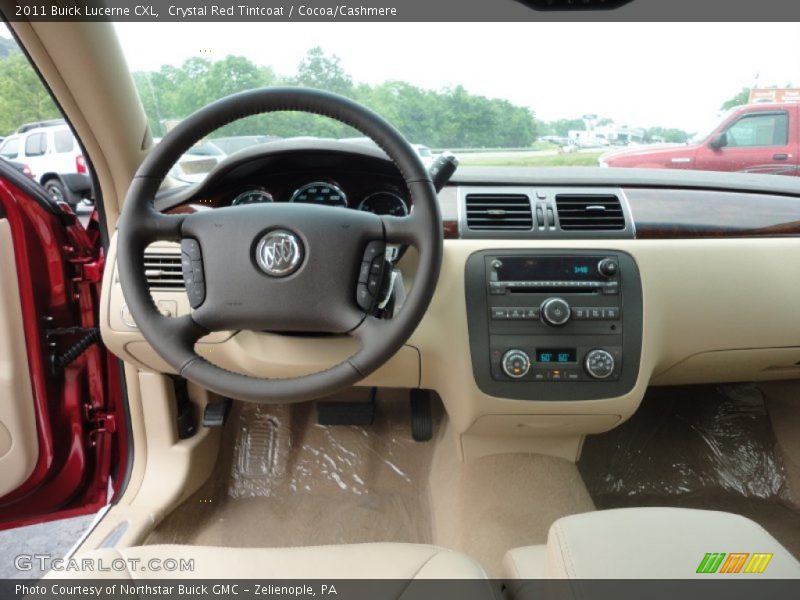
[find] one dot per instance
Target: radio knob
(599, 363)
(555, 311)
(608, 267)
(516, 363)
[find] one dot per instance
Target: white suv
(54, 157)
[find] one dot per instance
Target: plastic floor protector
(698, 446)
(283, 480)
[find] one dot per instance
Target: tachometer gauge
(320, 192)
(384, 203)
(253, 196)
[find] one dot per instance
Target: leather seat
(356, 561)
(649, 543)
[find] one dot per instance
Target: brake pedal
(216, 414)
(421, 416)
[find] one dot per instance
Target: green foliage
(23, 98)
(671, 135)
(446, 118)
(741, 98)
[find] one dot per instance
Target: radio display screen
(547, 268)
(556, 355)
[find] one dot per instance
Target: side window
(769, 129)
(10, 149)
(63, 140)
(36, 144)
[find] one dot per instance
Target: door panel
(19, 446)
(54, 369)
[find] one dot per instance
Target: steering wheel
(278, 267)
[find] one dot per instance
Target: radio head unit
(559, 325)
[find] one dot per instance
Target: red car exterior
(755, 138)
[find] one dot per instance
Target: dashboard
(346, 181)
(693, 260)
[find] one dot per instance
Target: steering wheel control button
(515, 364)
(192, 268)
(279, 253)
(363, 273)
(599, 364)
(373, 250)
(555, 311)
(608, 267)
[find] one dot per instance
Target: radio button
(499, 314)
(531, 314)
(580, 314)
(611, 313)
(555, 311)
(515, 364)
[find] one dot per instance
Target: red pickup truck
(755, 138)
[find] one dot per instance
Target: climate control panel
(554, 324)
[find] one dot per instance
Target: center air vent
(505, 212)
(590, 212)
(163, 270)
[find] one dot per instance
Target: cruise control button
(197, 271)
(377, 265)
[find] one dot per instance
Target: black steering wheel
(279, 267)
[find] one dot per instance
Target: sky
(638, 74)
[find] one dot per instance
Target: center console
(554, 325)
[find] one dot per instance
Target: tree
(741, 98)
(23, 98)
(318, 70)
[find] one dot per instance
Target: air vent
(163, 270)
(590, 212)
(506, 212)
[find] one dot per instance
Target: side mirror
(719, 141)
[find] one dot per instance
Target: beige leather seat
(356, 561)
(649, 543)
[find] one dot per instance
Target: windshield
(579, 100)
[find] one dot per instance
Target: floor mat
(283, 480)
(698, 447)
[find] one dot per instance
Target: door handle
(781, 156)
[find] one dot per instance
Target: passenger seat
(653, 543)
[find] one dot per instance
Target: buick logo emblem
(279, 253)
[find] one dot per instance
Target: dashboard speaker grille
(163, 270)
(590, 212)
(503, 212)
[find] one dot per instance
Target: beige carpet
(496, 503)
(282, 480)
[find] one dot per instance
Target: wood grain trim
(671, 213)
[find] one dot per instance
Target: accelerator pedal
(421, 416)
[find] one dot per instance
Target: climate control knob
(516, 363)
(599, 363)
(555, 311)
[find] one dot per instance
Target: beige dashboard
(714, 310)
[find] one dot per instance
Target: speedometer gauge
(253, 196)
(384, 203)
(320, 192)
